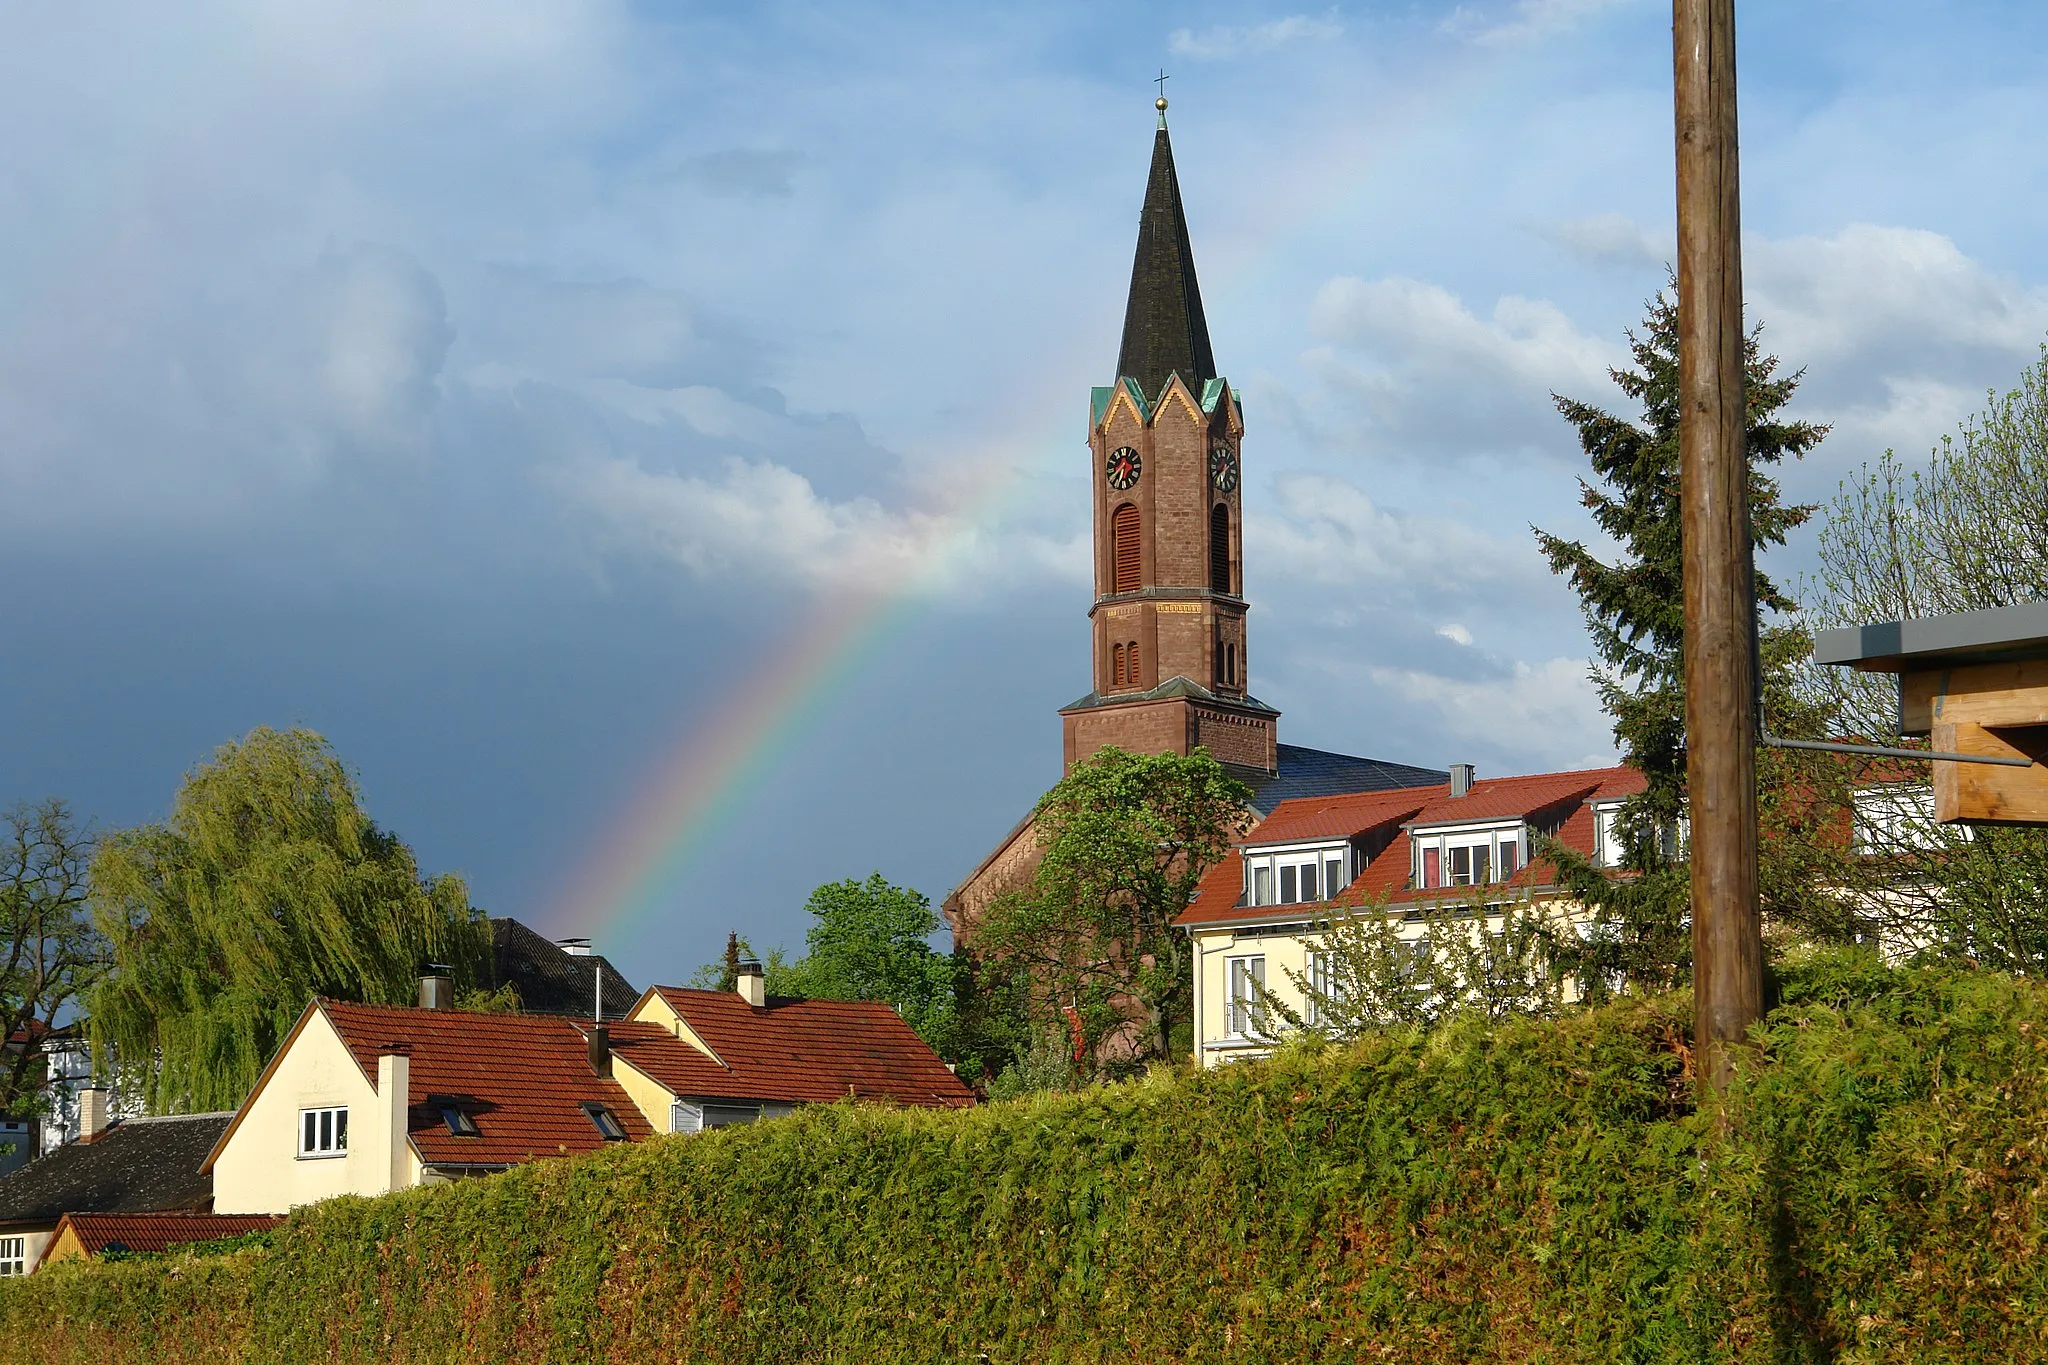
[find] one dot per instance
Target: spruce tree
(1634, 610)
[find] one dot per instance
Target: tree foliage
(1127, 839)
(1967, 532)
(1634, 609)
(1467, 959)
(868, 941)
(49, 952)
(267, 885)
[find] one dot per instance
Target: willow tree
(268, 885)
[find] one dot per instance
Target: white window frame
(1321, 982)
(1487, 838)
(1900, 815)
(13, 1256)
(1262, 869)
(329, 1136)
(1242, 1011)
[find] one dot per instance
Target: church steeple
(1164, 330)
(1168, 622)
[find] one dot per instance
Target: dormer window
(1468, 855)
(1296, 876)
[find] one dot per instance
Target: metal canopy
(1961, 638)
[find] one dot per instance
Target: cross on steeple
(1160, 80)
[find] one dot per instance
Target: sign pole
(1720, 723)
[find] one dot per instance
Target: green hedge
(1526, 1191)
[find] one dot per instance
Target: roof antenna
(597, 994)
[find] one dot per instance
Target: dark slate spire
(1164, 330)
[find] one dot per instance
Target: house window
(1246, 1010)
(460, 1124)
(1897, 817)
(1323, 985)
(13, 1256)
(1126, 566)
(1294, 878)
(1468, 857)
(323, 1132)
(605, 1121)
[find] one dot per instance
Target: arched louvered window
(1230, 664)
(1116, 666)
(1219, 548)
(1126, 568)
(1131, 664)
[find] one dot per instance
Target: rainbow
(696, 787)
(691, 793)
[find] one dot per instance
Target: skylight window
(606, 1122)
(459, 1123)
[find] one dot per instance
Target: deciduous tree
(1127, 839)
(1966, 532)
(267, 885)
(49, 952)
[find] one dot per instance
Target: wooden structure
(1975, 683)
(1720, 640)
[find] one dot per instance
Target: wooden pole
(1714, 474)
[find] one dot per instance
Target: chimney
(752, 983)
(387, 1147)
(92, 1113)
(437, 987)
(1462, 775)
(600, 1049)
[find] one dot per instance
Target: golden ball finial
(1160, 104)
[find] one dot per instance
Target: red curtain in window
(1432, 867)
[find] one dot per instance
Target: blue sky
(495, 387)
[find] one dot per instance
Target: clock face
(1223, 468)
(1122, 468)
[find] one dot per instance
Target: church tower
(1168, 622)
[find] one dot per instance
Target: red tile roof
(1339, 817)
(523, 1078)
(1386, 878)
(808, 1051)
(146, 1232)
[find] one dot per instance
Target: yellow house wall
(66, 1247)
(1284, 951)
(655, 1010)
(35, 1245)
(260, 1171)
(649, 1096)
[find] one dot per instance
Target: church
(1168, 630)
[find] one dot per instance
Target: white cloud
(1228, 42)
(1898, 329)
(1527, 21)
(1417, 372)
(1546, 713)
(1324, 531)
(1611, 239)
(1456, 634)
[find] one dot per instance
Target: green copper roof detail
(1098, 404)
(1212, 394)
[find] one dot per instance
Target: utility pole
(1720, 647)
